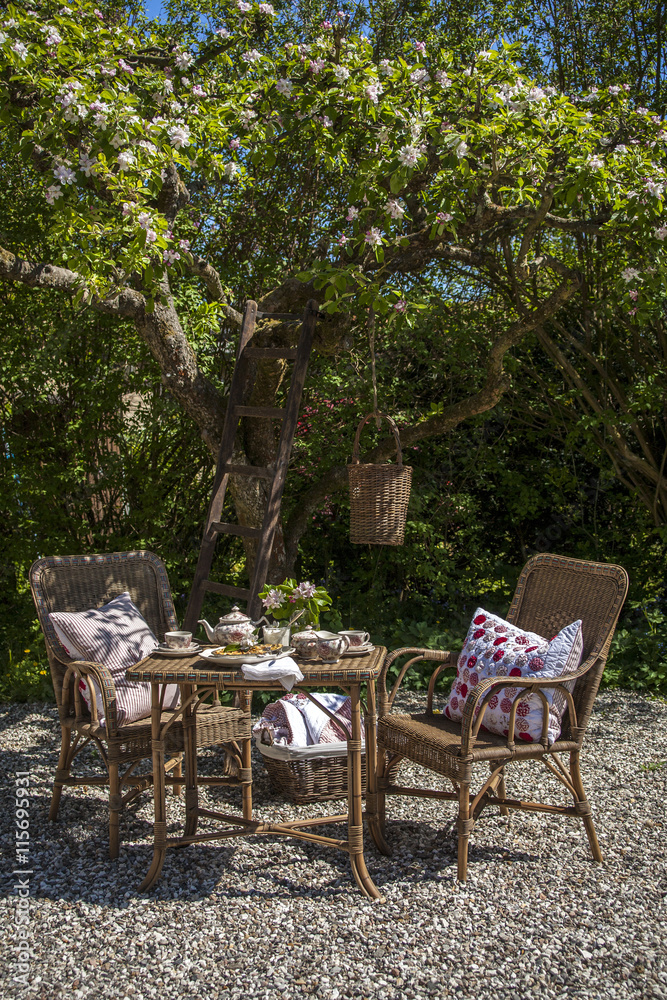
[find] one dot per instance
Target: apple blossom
(595, 162)
(266, 8)
(341, 73)
(251, 56)
(126, 160)
(352, 213)
(284, 86)
(316, 66)
(400, 306)
(52, 193)
(20, 49)
(660, 233)
(64, 175)
(125, 66)
(179, 136)
(631, 274)
(408, 156)
(444, 217)
(373, 92)
(373, 237)
(393, 209)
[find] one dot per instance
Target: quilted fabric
(494, 648)
(117, 636)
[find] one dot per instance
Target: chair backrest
(77, 583)
(552, 592)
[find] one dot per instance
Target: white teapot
(234, 627)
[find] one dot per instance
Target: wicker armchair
(552, 591)
(76, 583)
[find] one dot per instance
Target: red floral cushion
(494, 648)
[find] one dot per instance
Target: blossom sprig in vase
(284, 600)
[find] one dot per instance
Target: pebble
(277, 918)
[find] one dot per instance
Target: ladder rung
(235, 529)
(259, 411)
(283, 317)
(289, 353)
(223, 588)
(249, 470)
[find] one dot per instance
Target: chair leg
(115, 805)
(62, 773)
(178, 773)
(375, 806)
(464, 825)
(583, 806)
(502, 791)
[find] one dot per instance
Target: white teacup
(356, 637)
(178, 640)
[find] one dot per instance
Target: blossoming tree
(153, 151)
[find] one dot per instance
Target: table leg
(355, 833)
(159, 794)
(189, 722)
(245, 774)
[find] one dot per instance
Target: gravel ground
(264, 918)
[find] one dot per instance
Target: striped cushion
(117, 636)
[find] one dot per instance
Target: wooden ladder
(276, 473)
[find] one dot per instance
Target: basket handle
(394, 428)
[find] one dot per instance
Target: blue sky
(153, 7)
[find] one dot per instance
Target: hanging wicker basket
(379, 495)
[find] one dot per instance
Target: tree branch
(126, 302)
(496, 383)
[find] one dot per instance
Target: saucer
(359, 650)
(163, 650)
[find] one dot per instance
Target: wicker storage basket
(309, 774)
(379, 495)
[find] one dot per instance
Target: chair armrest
(78, 670)
(386, 700)
(475, 707)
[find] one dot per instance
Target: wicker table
(198, 678)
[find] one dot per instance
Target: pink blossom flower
(179, 136)
(274, 599)
(342, 240)
(394, 209)
(444, 217)
(420, 47)
(284, 86)
(266, 8)
(184, 244)
(373, 92)
(660, 233)
(64, 175)
(401, 306)
(251, 56)
(170, 256)
(408, 156)
(125, 67)
(127, 209)
(222, 32)
(234, 143)
(316, 66)
(52, 193)
(243, 6)
(634, 294)
(352, 213)
(126, 160)
(327, 25)
(151, 236)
